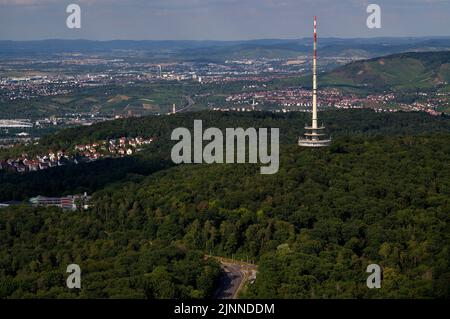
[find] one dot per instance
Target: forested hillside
(318, 223)
(380, 194)
(125, 262)
(94, 176)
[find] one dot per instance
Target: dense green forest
(380, 194)
(38, 244)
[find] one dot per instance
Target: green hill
(380, 194)
(406, 71)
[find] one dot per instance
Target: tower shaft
(314, 136)
(314, 115)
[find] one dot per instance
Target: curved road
(235, 275)
(190, 104)
(230, 282)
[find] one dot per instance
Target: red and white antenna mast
(314, 115)
(313, 136)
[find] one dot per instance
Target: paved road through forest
(229, 282)
(235, 275)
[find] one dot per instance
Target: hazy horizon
(220, 20)
(231, 40)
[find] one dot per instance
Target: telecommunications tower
(314, 136)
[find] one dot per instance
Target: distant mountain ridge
(221, 50)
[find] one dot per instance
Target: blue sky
(219, 19)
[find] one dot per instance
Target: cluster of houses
(120, 147)
(114, 147)
(24, 164)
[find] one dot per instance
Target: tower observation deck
(314, 136)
